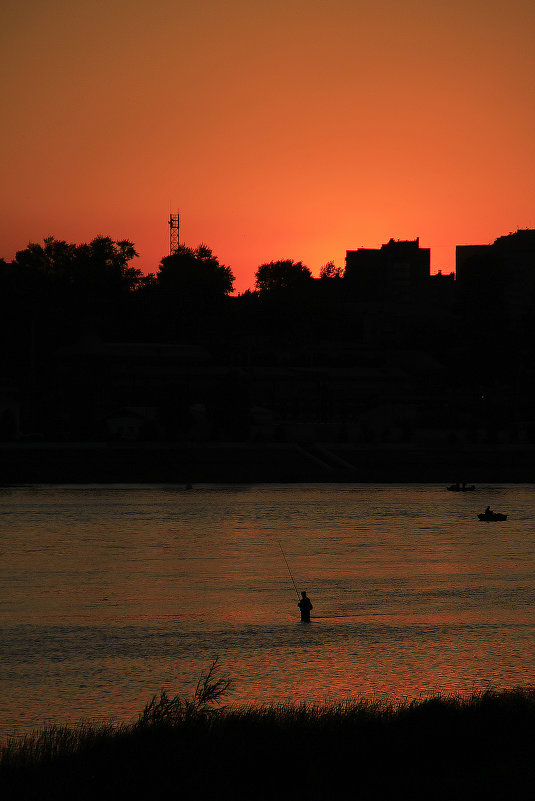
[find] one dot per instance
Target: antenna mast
(173, 233)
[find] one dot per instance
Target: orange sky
(278, 128)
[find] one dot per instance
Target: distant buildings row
(400, 270)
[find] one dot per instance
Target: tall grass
(482, 746)
(164, 711)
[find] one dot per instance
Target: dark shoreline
(251, 462)
(440, 748)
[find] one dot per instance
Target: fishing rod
(289, 571)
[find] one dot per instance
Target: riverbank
(252, 462)
(439, 748)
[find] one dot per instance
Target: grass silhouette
(481, 746)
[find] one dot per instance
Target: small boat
(461, 488)
(492, 516)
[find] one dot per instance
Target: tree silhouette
(330, 271)
(62, 290)
(281, 275)
(97, 271)
(103, 266)
(194, 276)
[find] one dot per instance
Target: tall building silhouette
(502, 273)
(397, 270)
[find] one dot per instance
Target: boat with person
(489, 516)
(461, 487)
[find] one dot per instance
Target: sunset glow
(278, 130)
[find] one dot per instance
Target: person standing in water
(305, 606)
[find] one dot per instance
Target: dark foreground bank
(442, 748)
(257, 462)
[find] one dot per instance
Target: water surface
(109, 594)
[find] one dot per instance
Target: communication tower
(173, 233)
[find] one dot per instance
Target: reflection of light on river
(111, 593)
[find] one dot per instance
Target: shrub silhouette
(162, 710)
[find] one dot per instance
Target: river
(111, 593)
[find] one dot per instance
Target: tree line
(57, 291)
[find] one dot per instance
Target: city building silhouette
(398, 270)
(501, 274)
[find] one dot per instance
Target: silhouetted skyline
(383, 355)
